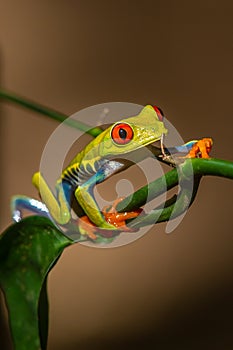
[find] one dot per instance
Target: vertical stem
(43, 315)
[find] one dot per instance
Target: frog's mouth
(136, 156)
(155, 149)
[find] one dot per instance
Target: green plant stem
(196, 167)
(43, 314)
(183, 175)
(60, 117)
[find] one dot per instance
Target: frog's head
(132, 133)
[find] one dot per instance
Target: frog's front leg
(85, 197)
(201, 148)
(193, 149)
(109, 221)
(119, 219)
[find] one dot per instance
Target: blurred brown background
(163, 291)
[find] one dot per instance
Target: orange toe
(201, 149)
(119, 219)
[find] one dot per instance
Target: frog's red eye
(122, 133)
(159, 113)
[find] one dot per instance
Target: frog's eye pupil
(122, 133)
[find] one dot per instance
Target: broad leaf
(28, 250)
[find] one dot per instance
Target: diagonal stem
(48, 112)
(190, 168)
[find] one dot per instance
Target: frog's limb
(201, 148)
(119, 219)
(85, 197)
(19, 203)
(183, 148)
(59, 208)
(86, 227)
(194, 148)
(167, 154)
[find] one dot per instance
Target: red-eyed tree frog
(93, 165)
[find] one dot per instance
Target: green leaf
(28, 250)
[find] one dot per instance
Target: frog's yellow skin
(91, 166)
(96, 162)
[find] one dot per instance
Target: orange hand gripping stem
(201, 149)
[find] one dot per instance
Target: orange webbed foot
(201, 149)
(119, 219)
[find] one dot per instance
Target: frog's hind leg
(58, 206)
(20, 203)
